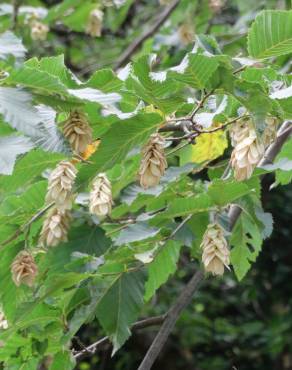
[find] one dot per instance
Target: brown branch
(183, 300)
(16, 5)
(151, 321)
(146, 34)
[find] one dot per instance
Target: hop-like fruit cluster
(216, 254)
(153, 162)
(94, 25)
(270, 132)
(60, 186)
(216, 5)
(186, 33)
(248, 150)
(3, 321)
(101, 201)
(24, 269)
(39, 30)
(55, 227)
(77, 131)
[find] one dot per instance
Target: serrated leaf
(10, 148)
(246, 240)
(164, 265)
(63, 360)
(27, 168)
(11, 45)
(95, 96)
(127, 292)
(206, 148)
(271, 34)
(136, 232)
(232, 191)
(16, 108)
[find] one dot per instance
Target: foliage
(111, 267)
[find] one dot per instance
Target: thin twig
(150, 30)
(22, 228)
(16, 5)
(151, 321)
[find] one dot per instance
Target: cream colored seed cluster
(55, 228)
(248, 150)
(39, 30)
(60, 185)
(270, 132)
(3, 321)
(24, 269)
(94, 24)
(77, 131)
(100, 202)
(153, 164)
(216, 5)
(216, 254)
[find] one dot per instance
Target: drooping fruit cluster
(216, 5)
(100, 202)
(216, 254)
(77, 131)
(270, 132)
(60, 185)
(24, 269)
(38, 30)
(248, 150)
(186, 33)
(55, 228)
(94, 23)
(3, 321)
(153, 163)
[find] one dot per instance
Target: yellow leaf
(209, 146)
(91, 149)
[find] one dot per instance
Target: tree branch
(22, 228)
(146, 34)
(183, 300)
(145, 323)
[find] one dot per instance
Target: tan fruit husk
(78, 131)
(153, 163)
(24, 269)
(94, 24)
(186, 33)
(270, 132)
(60, 185)
(39, 30)
(55, 227)
(100, 200)
(216, 254)
(216, 5)
(3, 323)
(247, 152)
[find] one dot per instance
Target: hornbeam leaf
(11, 45)
(10, 148)
(95, 96)
(126, 291)
(271, 34)
(246, 240)
(16, 108)
(162, 267)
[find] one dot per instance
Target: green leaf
(11, 45)
(126, 292)
(271, 34)
(232, 191)
(64, 361)
(10, 147)
(164, 265)
(26, 169)
(246, 240)
(285, 177)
